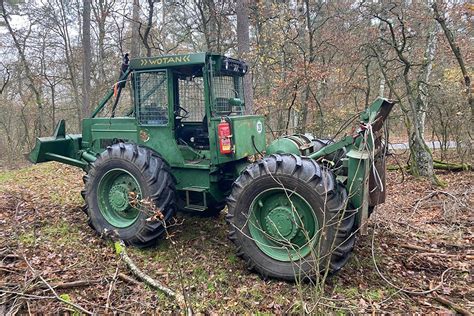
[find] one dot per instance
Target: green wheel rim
(282, 224)
(113, 195)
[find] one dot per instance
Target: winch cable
(400, 289)
(345, 124)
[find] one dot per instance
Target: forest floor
(421, 239)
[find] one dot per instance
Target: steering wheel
(178, 111)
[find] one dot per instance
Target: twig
(66, 285)
(461, 310)
(30, 296)
(122, 251)
(107, 305)
(85, 311)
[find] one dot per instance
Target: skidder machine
(180, 140)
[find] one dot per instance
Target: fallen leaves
(40, 216)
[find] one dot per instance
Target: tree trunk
(243, 42)
(101, 10)
(87, 58)
(135, 40)
(303, 118)
(424, 77)
(439, 16)
(149, 24)
(421, 154)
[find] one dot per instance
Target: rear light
(225, 137)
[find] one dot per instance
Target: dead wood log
(437, 164)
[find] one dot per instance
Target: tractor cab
(177, 104)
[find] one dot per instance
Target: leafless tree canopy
(314, 63)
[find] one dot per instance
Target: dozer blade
(61, 147)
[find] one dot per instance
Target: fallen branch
(439, 165)
(436, 193)
(440, 254)
(461, 310)
(122, 251)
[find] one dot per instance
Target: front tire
(288, 218)
(122, 172)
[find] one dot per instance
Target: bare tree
(440, 18)
(33, 85)
(398, 38)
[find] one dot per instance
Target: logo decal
(165, 60)
(144, 136)
(259, 127)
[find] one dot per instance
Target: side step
(196, 207)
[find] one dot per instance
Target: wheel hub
(280, 223)
(118, 197)
(113, 197)
(284, 226)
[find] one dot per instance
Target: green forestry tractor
(181, 141)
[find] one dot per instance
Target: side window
(152, 98)
(191, 98)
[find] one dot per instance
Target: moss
(27, 238)
(232, 258)
(374, 295)
(60, 233)
(59, 229)
(200, 275)
(6, 176)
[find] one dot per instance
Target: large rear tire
(121, 176)
(288, 218)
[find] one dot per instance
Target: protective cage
(224, 88)
(152, 96)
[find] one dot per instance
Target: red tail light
(225, 137)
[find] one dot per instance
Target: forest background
(314, 63)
